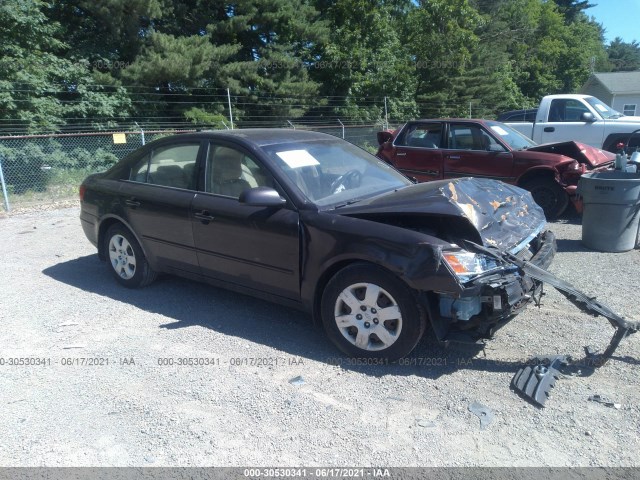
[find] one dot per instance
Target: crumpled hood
(505, 216)
(581, 152)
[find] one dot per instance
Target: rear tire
(126, 259)
(550, 196)
(369, 313)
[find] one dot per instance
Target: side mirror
(587, 117)
(262, 197)
(384, 137)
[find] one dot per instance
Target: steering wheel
(350, 179)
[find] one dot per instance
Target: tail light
(82, 191)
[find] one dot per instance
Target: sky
(619, 17)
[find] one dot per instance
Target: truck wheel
(549, 195)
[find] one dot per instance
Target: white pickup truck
(579, 118)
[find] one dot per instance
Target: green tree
(546, 55)
(572, 10)
(441, 36)
(623, 56)
(41, 89)
(364, 61)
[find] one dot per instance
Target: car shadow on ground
(569, 245)
(186, 303)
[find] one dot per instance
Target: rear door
(473, 152)
(156, 200)
(417, 151)
(253, 247)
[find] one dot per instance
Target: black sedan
(309, 220)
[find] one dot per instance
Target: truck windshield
(515, 139)
(603, 109)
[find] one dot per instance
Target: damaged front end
(501, 275)
(534, 381)
(491, 292)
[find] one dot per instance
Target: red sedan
(450, 148)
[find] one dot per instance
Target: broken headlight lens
(467, 265)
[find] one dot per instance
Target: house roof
(617, 82)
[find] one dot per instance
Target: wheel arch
(332, 270)
(323, 279)
(612, 139)
(105, 224)
(535, 173)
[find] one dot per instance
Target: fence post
(230, 111)
(4, 188)
(342, 128)
(386, 116)
(292, 125)
(141, 133)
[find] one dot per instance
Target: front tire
(550, 196)
(126, 259)
(369, 313)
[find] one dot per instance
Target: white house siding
(596, 89)
(621, 100)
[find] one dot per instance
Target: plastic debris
(535, 381)
(297, 381)
(426, 423)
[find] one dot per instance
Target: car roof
(474, 120)
(264, 136)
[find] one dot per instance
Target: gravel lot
(60, 304)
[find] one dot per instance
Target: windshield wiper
(350, 202)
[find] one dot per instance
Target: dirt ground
(184, 374)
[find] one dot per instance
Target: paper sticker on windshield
(601, 107)
(298, 158)
(499, 130)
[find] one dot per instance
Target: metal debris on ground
(604, 401)
(483, 413)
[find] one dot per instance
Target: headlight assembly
(467, 265)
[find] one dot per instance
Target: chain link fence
(46, 170)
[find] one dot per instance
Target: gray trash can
(611, 214)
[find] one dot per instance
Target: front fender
(332, 241)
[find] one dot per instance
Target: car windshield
(333, 172)
(515, 139)
(603, 109)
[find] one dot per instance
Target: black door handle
(204, 216)
(132, 203)
(549, 129)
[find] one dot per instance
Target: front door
(253, 247)
(473, 152)
(565, 124)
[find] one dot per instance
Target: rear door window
(174, 166)
(425, 135)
